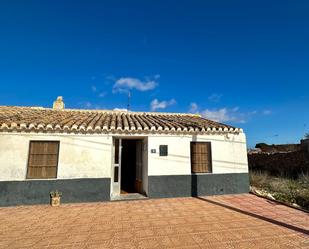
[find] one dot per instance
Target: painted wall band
(197, 185)
(98, 189)
(37, 191)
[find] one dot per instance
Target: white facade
(90, 156)
(229, 155)
(80, 156)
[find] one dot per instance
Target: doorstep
(130, 196)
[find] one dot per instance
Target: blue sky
(245, 63)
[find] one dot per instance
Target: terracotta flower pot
(55, 201)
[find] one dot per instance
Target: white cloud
(235, 109)
(215, 97)
(96, 91)
(90, 105)
(120, 109)
(156, 104)
(102, 94)
(94, 88)
(193, 108)
(225, 115)
(127, 83)
(267, 112)
(87, 104)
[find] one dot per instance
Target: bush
(283, 189)
(259, 179)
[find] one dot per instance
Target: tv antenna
(129, 100)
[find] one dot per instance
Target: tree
(307, 135)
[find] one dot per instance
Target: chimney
(58, 103)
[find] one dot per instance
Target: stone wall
(280, 164)
(277, 148)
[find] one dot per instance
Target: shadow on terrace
(258, 216)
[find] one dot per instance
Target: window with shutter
(201, 157)
(43, 159)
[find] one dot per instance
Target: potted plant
(55, 197)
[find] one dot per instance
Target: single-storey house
(100, 155)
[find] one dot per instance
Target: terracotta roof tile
(86, 121)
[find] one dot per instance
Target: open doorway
(132, 166)
(129, 168)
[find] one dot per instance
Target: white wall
(229, 155)
(89, 156)
(80, 156)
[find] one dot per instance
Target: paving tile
(229, 221)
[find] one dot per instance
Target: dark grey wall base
(37, 191)
(197, 185)
(98, 189)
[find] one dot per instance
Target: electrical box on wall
(163, 150)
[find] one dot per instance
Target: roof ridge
(104, 111)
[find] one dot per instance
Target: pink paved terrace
(231, 221)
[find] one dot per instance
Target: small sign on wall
(153, 151)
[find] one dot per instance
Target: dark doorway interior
(128, 166)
